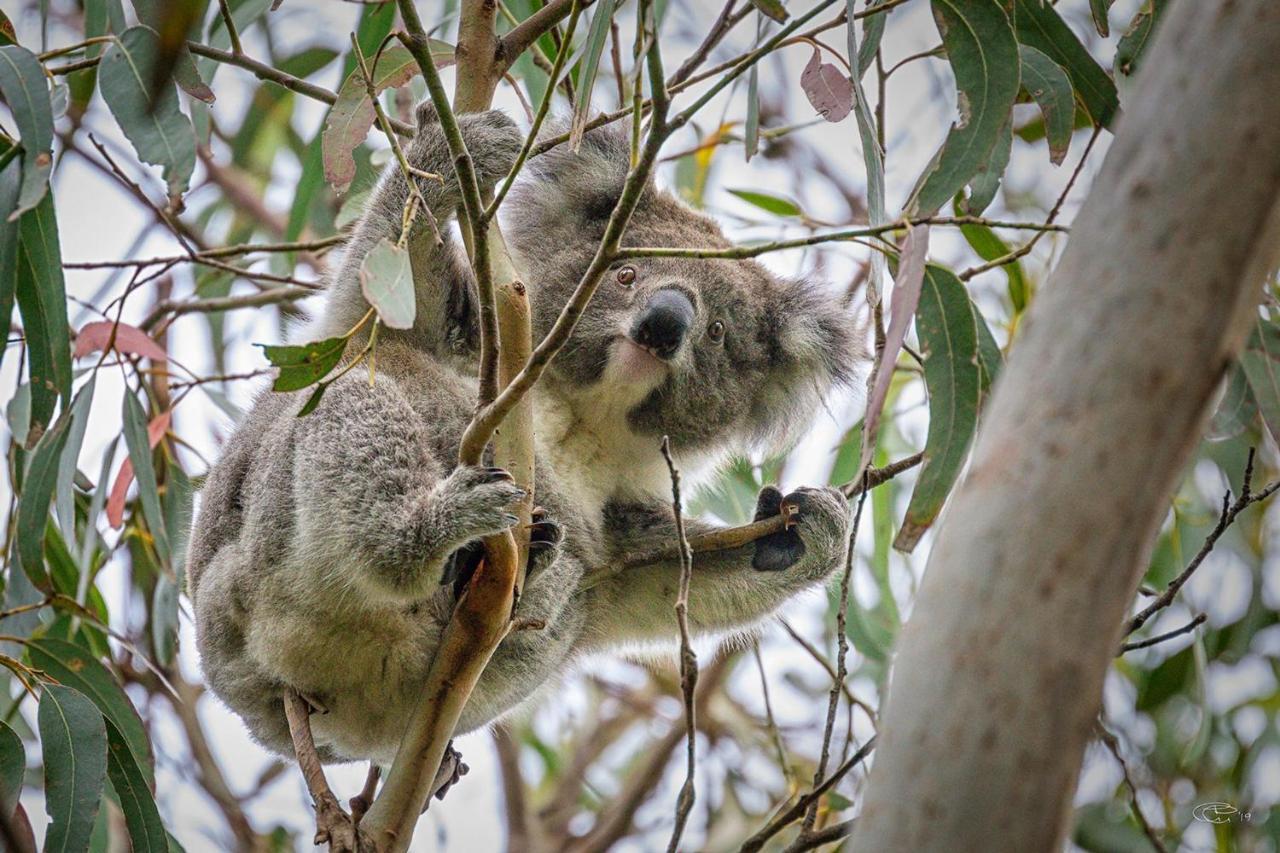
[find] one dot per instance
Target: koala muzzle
(662, 326)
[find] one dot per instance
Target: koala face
(714, 353)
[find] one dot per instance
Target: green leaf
(75, 667)
(1165, 681)
(164, 620)
(872, 33)
(751, 130)
(160, 133)
(1134, 41)
(872, 152)
(387, 284)
(42, 301)
(1050, 87)
(989, 246)
(1236, 411)
(306, 364)
(989, 359)
(13, 762)
(1099, 9)
(1261, 363)
(176, 19)
(144, 473)
(65, 492)
(178, 501)
(986, 182)
(947, 328)
(24, 87)
(590, 66)
(33, 504)
(775, 204)
(983, 53)
(10, 185)
(1040, 26)
(313, 401)
(772, 9)
(133, 789)
(7, 34)
(73, 739)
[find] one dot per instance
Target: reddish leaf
(827, 88)
(95, 337)
(902, 307)
(115, 502)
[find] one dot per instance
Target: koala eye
(627, 277)
(716, 331)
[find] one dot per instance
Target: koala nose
(665, 321)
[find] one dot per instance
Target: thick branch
(999, 671)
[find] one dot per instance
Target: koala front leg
(728, 589)
(372, 501)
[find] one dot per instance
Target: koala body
(326, 549)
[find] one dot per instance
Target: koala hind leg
(373, 499)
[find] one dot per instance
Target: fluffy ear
(584, 184)
(816, 344)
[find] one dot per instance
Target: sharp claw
(790, 513)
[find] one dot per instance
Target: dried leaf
(156, 429)
(95, 337)
(828, 89)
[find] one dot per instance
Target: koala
(327, 549)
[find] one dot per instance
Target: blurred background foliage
(172, 190)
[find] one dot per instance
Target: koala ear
(586, 182)
(815, 345)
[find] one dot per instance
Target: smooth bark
(999, 672)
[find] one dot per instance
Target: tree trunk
(999, 671)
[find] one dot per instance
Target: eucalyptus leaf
(1039, 25)
(42, 301)
(160, 133)
(946, 324)
(144, 472)
(26, 92)
(983, 53)
(13, 762)
(132, 787)
(73, 740)
(1050, 87)
(304, 364)
(387, 283)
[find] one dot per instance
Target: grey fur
(325, 546)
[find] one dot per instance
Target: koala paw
(816, 532)
(477, 501)
(545, 537)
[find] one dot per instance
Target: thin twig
(1168, 635)
(688, 660)
(1114, 746)
(842, 650)
(1229, 513)
(333, 825)
(792, 814)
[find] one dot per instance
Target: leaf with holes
(158, 130)
(73, 740)
(1135, 39)
(828, 89)
(983, 53)
(387, 284)
(1050, 87)
(946, 323)
(352, 115)
(305, 364)
(1040, 26)
(22, 83)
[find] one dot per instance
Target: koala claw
(814, 524)
(545, 537)
(478, 501)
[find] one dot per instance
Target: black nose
(664, 323)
